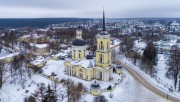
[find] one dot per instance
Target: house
(134, 53)
(114, 42)
(7, 58)
(39, 62)
(60, 55)
(39, 43)
(63, 46)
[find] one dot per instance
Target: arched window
(101, 58)
(79, 53)
(101, 46)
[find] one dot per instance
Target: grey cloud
(90, 8)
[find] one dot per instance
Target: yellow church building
(99, 68)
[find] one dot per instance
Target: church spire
(104, 28)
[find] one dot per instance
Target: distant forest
(36, 22)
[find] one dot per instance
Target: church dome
(78, 42)
(95, 85)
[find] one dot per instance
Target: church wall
(85, 73)
(78, 50)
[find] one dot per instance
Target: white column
(106, 76)
(71, 72)
(111, 72)
(65, 69)
(95, 73)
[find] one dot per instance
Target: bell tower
(103, 54)
(103, 70)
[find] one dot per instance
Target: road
(137, 76)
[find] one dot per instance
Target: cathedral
(99, 68)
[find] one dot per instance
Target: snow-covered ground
(57, 66)
(129, 91)
(15, 92)
(123, 92)
(161, 71)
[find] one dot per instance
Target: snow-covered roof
(167, 44)
(114, 42)
(86, 63)
(34, 35)
(39, 45)
(60, 54)
(63, 45)
(139, 44)
(67, 50)
(5, 55)
(38, 60)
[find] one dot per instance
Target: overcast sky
(89, 8)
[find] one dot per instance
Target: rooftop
(86, 63)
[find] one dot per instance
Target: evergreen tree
(149, 57)
(50, 95)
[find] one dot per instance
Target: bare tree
(2, 69)
(73, 90)
(29, 71)
(174, 64)
(100, 98)
(40, 92)
(113, 55)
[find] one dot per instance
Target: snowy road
(148, 85)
